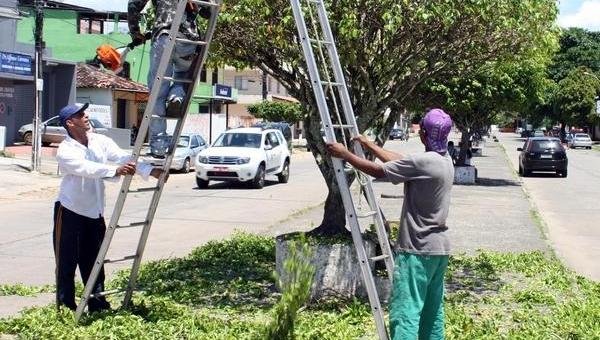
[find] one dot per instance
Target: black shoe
(98, 305)
(174, 106)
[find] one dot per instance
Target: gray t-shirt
(428, 179)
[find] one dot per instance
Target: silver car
(580, 140)
(53, 131)
(188, 147)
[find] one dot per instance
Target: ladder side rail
(313, 71)
(165, 59)
(382, 235)
(358, 150)
(337, 70)
(179, 127)
(361, 253)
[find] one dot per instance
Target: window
(215, 76)
(195, 143)
(240, 83)
(95, 23)
(203, 108)
(273, 139)
(543, 145)
(53, 122)
(201, 141)
(203, 74)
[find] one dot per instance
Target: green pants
(417, 302)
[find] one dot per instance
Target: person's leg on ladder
(432, 317)
(158, 124)
(65, 237)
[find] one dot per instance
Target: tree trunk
(334, 215)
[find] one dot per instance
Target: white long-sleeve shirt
(86, 168)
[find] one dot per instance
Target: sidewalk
(494, 214)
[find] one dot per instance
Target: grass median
(226, 290)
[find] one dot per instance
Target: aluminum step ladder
(156, 191)
(331, 94)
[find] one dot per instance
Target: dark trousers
(77, 240)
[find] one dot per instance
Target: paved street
(569, 206)
(186, 218)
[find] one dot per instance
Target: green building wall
(60, 35)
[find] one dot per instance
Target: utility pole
(36, 142)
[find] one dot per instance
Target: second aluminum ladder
(331, 93)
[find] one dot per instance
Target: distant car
(53, 131)
(538, 133)
(580, 140)
(542, 154)
(245, 155)
(186, 153)
(397, 134)
(526, 133)
(519, 130)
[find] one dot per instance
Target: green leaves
(290, 113)
(206, 295)
(575, 97)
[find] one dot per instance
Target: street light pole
(36, 142)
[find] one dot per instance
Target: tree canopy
(575, 98)
(290, 113)
(387, 49)
(578, 47)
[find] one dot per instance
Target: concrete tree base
(465, 174)
(337, 270)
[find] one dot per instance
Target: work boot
(174, 107)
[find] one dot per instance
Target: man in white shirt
(85, 160)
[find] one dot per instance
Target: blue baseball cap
(70, 110)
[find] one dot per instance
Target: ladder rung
(134, 224)
(324, 42)
(379, 258)
(175, 80)
(329, 83)
(368, 214)
(192, 42)
(126, 258)
(204, 3)
(105, 293)
(342, 126)
(144, 189)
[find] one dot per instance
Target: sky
(573, 13)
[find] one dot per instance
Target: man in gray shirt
(416, 306)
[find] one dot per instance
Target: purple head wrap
(437, 125)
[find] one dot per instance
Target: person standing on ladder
(422, 251)
(78, 212)
(170, 97)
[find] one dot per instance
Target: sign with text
(222, 91)
(16, 63)
(100, 112)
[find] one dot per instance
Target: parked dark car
(543, 154)
(397, 134)
(284, 127)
